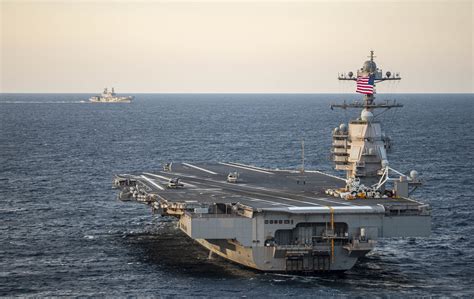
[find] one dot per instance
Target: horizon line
(296, 93)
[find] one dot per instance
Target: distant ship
(110, 97)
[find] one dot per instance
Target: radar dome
(366, 115)
(369, 66)
(343, 127)
(413, 174)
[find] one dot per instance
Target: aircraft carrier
(296, 220)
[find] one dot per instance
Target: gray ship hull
(275, 220)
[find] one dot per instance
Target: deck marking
(295, 200)
(269, 201)
(167, 179)
(199, 168)
(151, 182)
(246, 190)
(207, 189)
(158, 176)
(251, 166)
(246, 168)
(281, 192)
(257, 190)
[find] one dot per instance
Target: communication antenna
(369, 69)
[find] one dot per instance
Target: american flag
(365, 84)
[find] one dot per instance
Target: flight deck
(257, 188)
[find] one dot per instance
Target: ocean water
(63, 232)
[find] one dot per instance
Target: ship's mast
(369, 69)
(360, 147)
(369, 98)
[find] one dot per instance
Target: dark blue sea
(64, 233)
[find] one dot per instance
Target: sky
(233, 46)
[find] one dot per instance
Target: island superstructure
(110, 97)
(295, 220)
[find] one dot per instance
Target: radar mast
(360, 147)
